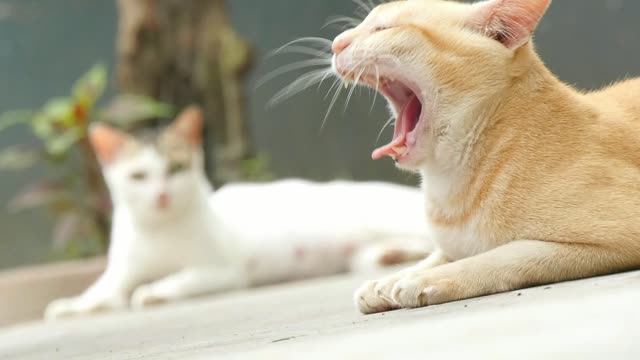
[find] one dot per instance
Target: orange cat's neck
(532, 102)
(534, 111)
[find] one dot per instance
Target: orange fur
(106, 142)
(528, 181)
(190, 123)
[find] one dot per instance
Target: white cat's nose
(162, 201)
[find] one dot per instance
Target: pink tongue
(404, 123)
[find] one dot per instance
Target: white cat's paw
(146, 296)
(73, 307)
(60, 308)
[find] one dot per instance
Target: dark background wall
(46, 44)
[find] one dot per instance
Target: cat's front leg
(376, 295)
(108, 293)
(72, 307)
(188, 283)
(513, 266)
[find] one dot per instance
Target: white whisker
(353, 87)
(311, 40)
(301, 50)
(329, 73)
(291, 67)
(375, 93)
(384, 127)
(363, 6)
(333, 102)
(322, 52)
(337, 82)
(347, 20)
(302, 83)
(362, 14)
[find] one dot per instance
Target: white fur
(242, 235)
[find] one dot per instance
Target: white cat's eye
(138, 175)
(176, 167)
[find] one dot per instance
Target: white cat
(173, 239)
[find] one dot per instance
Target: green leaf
(58, 111)
(42, 126)
(91, 86)
(128, 110)
(39, 194)
(18, 158)
(257, 168)
(60, 144)
(12, 118)
(58, 107)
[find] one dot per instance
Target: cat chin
(409, 163)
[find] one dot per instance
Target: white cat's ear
(106, 141)
(511, 22)
(190, 123)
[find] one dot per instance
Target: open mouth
(405, 98)
(408, 108)
(407, 104)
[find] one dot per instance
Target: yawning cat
(527, 180)
(173, 239)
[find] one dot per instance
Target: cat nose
(341, 42)
(162, 201)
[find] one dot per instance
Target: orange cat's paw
(368, 300)
(375, 296)
(414, 291)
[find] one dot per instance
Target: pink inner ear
(106, 142)
(510, 22)
(190, 123)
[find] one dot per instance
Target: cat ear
(511, 22)
(106, 142)
(190, 123)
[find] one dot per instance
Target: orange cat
(527, 181)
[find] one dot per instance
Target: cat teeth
(400, 150)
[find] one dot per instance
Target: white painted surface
(590, 319)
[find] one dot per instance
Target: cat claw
(369, 299)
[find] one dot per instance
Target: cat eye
(138, 175)
(381, 28)
(176, 167)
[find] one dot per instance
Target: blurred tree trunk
(184, 52)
